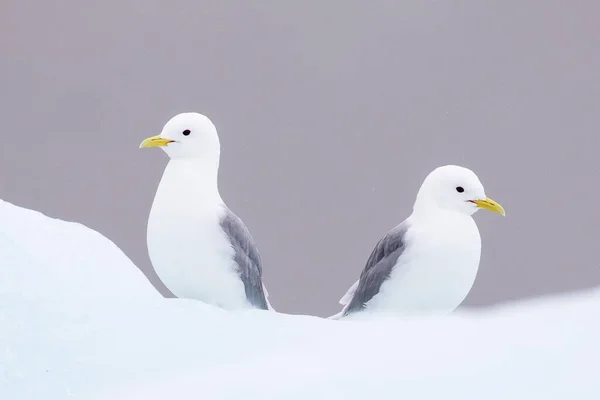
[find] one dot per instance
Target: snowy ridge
(42, 256)
(127, 342)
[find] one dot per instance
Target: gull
(428, 263)
(198, 247)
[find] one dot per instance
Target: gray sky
(330, 116)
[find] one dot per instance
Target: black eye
(460, 189)
(186, 132)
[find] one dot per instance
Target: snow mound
(42, 256)
(545, 349)
(135, 345)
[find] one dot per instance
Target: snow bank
(542, 350)
(145, 347)
(41, 256)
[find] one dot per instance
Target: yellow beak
(155, 141)
(491, 205)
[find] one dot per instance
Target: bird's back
(422, 265)
(437, 270)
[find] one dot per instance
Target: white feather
(349, 294)
(438, 268)
(187, 246)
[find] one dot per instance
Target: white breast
(189, 251)
(437, 270)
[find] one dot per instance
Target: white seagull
(198, 247)
(428, 263)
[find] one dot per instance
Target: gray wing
(246, 257)
(379, 267)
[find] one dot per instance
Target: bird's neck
(196, 178)
(424, 207)
(426, 211)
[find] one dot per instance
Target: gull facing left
(198, 247)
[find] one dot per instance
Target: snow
(44, 256)
(78, 320)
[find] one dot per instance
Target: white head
(187, 135)
(454, 188)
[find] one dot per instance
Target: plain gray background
(330, 114)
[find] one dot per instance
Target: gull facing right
(428, 263)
